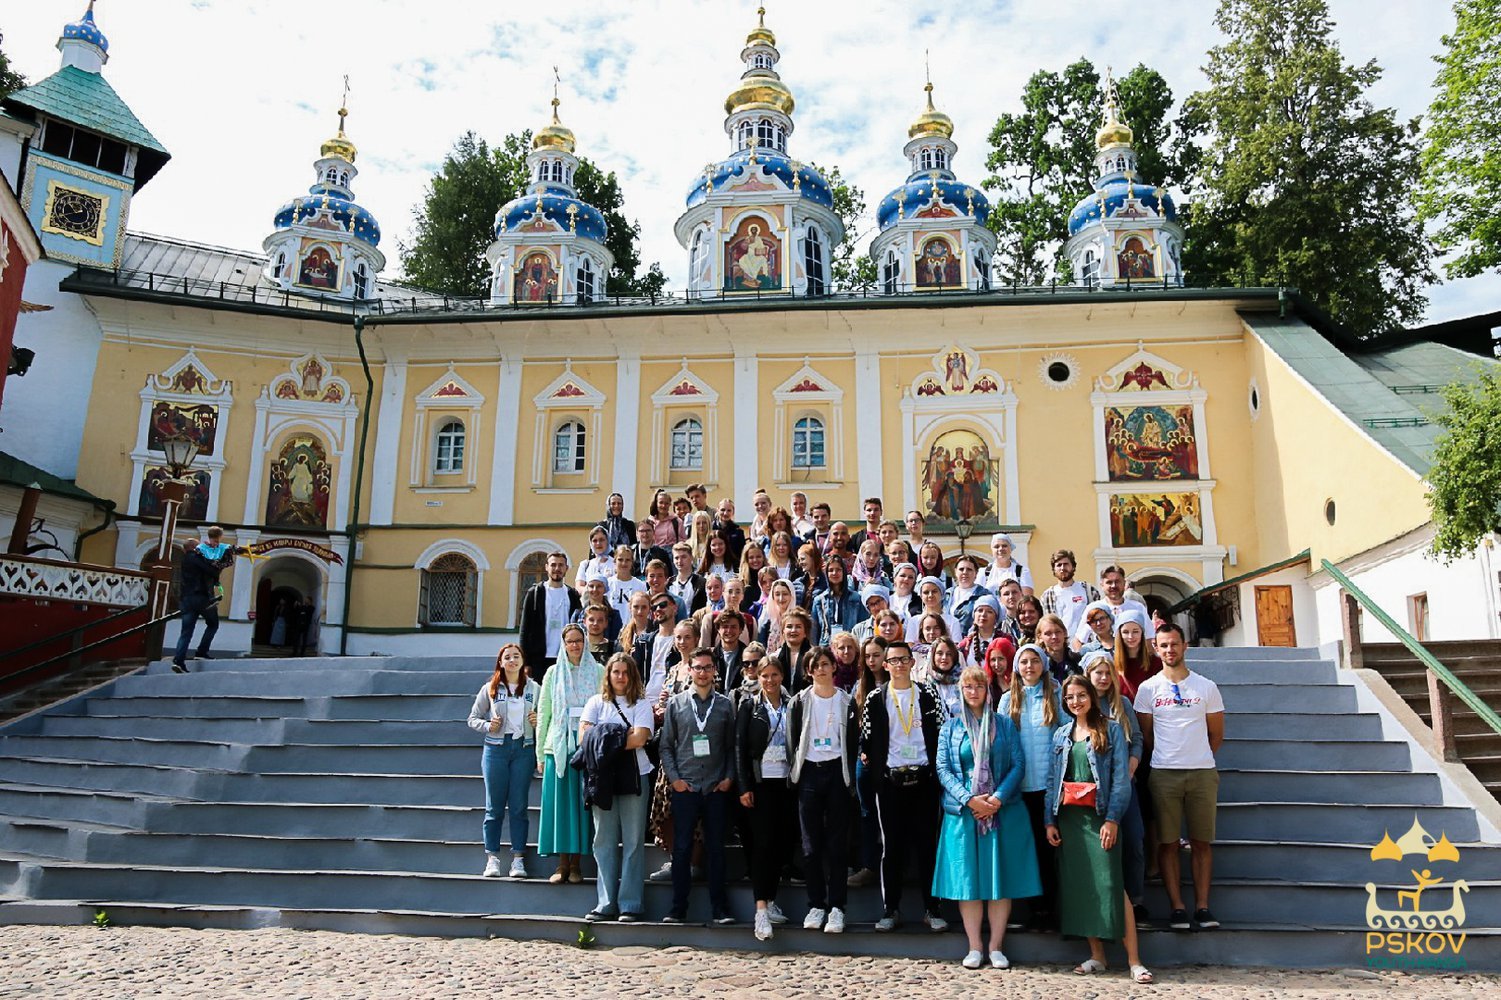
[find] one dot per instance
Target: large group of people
(856, 709)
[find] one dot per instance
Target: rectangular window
(1417, 614)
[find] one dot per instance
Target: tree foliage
(10, 80)
(1462, 157)
(850, 266)
(1465, 480)
(1041, 161)
(454, 224)
(1303, 181)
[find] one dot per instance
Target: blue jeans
(192, 609)
(687, 809)
(1134, 859)
(620, 850)
(507, 768)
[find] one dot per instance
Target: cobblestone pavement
(44, 962)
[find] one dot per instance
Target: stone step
(1302, 755)
(318, 683)
(480, 666)
(349, 732)
(1255, 654)
(256, 758)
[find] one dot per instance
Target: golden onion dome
(1113, 132)
(340, 145)
(761, 34)
(931, 121)
(759, 91)
(554, 135)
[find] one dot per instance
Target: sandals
(1139, 974)
(1089, 967)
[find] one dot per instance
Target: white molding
(503, 458)
(388, 442)
(828, 406)
(217, 393)
(449, 392)
(699, 394)
(588, 402)
(627, 427)
(870, 465)
(443, 546)
(747, 415)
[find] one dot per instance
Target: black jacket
(698, 596)
(641, 652)
(727, 668)
(875, 734)
(644, 554)
(200, 574)
(795, 676)
(752, 734)
(734, 542)
(534, 624)
(609, 769)
(618, 531)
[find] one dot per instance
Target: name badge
(775, 755)
(576, 712)
(823, 743)
(700, 746)
(908, 752)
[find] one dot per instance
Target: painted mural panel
(194, 505)
(1135, 260)
(937, 265)
(960, 480)
(753, 259)
(1151, 443)
(536, 279)
(297, 496)
(319, 269)
(1141, 520)
(198, 423)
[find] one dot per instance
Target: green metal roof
(86, 99)
(1391, 394)
(14, 472)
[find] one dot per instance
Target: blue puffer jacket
(1036, 734)
(1112, 786)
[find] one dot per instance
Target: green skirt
(1091, 887)
(565, 827)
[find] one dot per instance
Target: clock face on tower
(77, 214)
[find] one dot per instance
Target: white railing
(72, 583)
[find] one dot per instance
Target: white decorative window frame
(334, 423)
(701, 397)
(788, 402)
(424, 444)
(585, 405)
(218, 393)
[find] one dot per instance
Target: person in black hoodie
(899, 747)
(198, 597)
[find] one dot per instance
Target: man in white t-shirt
(545, 609)
(1068, 597)
(1002, 567)
(1183, 722)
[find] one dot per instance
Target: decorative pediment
(1144, 371)
(452, 390)
(188, 376)
(684, 387)
(808, 384)
(324, 219)
(956, 372)
(569, 389)
(310, 380)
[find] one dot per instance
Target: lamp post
(963, 527)
(180, 452)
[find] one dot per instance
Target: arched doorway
(284, 587)
(1160, 592)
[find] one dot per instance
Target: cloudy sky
(243, 91)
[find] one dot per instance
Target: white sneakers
(836, 922)
(763, 925)
(492, 866)
(814, 920)
(518, 866)
(775, 914)
(935, 923)
(998, 960)
(972, 960)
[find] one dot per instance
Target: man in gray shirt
(698, 753)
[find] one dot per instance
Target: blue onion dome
(800, 177)
(556, 204)
(1112, 193)
(357, 221)
(85, 30)
(916, 198)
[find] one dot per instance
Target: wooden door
(1274, 616)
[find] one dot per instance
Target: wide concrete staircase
(344, 793)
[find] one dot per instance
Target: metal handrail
(8, 678)
(76, 630)
(1458, 687)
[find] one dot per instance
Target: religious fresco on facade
(937, 265)
(1135, 260)
(319, 270)
(194, 505)
(198, 424)
(959, 480)
(297, 496)
(753, 259)
(536, 279)
(1140, 520)
(1151, 442)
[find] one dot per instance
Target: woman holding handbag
(985, 854)
(620, 831)
(1087, 794)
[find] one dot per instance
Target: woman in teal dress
(985, 853)
(1087, 795)
(566, 689)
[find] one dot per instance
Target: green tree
(850, 266)
(1041, 160)
(1465, 480)
(454, 224)
(1303, 181)
(1462, 158)
(10, 80)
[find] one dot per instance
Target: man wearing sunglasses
(652, 648)
(1183, 722)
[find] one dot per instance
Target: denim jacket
(1112, 786)
(1006, 763)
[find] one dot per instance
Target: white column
(909, 457)
(624, 479)
(868, 462)
(747, 430)
(393, 389)
(242, 590)
(255, 486)
(503, 463)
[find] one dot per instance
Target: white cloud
(243, 91)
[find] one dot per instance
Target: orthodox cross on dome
(1112, 111)
(344, 103)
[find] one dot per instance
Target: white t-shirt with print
(1180, 730)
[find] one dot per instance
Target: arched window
(697, 251)
(940, 160)
(361, 281)
(982, 271)
(531, 571)
(925, 161)
(568, 448)
(761, 60)
(807, 443)
(766, 134)
(343, 178)
(891, 272)
(585, 280)
(743, 134)
(449, 592)
(332, 176)
(281, 266)
(448, 449)
(1091, 269)
(687, 444)
(813, 261)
